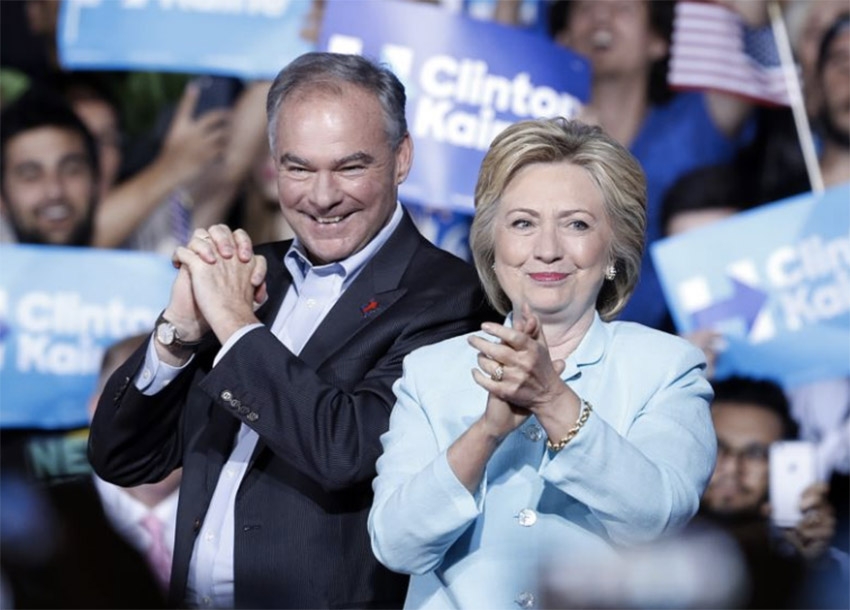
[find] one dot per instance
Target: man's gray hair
(328, 71)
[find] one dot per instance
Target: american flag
(713, 49)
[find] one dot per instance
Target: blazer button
(533, 433)
(252, 416)
(226, 395)
(196, 526)
(234, 404)
(243, 410)
(526, 517)
(525, 600)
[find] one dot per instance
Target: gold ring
(498, 374)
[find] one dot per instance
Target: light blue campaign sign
(774, 280)
(60, 308)
(466, 80)
(244, 38)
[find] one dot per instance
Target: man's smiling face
(338, 176)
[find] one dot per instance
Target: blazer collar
(278, 280)
(589, 350)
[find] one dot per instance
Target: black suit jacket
(300, 522)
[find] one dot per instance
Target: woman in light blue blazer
(573, 435)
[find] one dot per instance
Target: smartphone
(792, 470)
(216, 92)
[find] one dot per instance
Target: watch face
(165, 333)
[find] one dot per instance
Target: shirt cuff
(155, 374)
(233, 339)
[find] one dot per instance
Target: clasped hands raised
(522, 379)
(219, 285)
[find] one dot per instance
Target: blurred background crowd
(137, 160)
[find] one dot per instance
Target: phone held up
(216, 92)
(792, 470)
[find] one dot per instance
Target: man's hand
(813, 534)
(192, 144)
(227, 279)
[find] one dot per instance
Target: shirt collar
(299, 265)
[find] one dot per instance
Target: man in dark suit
(272, 389)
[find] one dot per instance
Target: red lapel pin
(369, 308)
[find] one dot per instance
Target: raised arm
(190, 145)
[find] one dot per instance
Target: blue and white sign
(245, 38)
(60, 308)
(466, 80)
(775, 281)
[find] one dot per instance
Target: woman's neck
(563, 337)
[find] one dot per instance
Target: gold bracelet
(583, 416)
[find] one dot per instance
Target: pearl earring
(610, 273)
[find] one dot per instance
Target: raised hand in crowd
(191, 145)
(215, 188)
(813, 534)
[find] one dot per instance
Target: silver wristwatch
(166, 334)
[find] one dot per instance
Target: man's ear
(403, 159)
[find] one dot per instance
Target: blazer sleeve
(135, 438)
(420, 507)
(650, 479)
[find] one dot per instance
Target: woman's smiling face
(552, 241)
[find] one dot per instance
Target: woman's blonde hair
(614, 171)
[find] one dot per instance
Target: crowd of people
(301, 429)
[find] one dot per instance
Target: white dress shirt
(313, 293)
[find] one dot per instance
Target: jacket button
(526, 517)
(533, 433)
(226, 395)
(525, 600)
(234, 404)
(252, 416)
(196, 526)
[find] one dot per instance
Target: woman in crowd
(573, 433)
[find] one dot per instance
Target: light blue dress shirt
(313, 293)
(634, 471)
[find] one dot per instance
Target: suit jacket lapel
(371, 294)
(278, 281)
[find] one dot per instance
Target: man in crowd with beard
(796, 563)
(48, 172)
